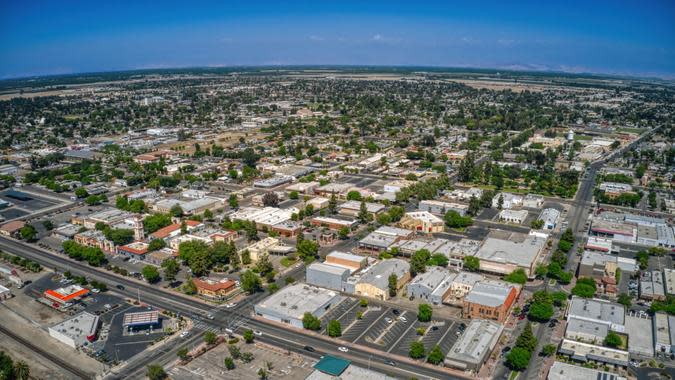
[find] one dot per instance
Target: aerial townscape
(335, 221)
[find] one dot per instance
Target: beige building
(422, 221)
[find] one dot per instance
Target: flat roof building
(327, 276)
(598, 310)
(432, 285)
(141, 319)
(503, 255)
(490, 299)
(76, 331)
(290, 303)
(474, 346)
(564, 371)
(586, 352)
(374, 280)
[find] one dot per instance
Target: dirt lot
(210, 365)
(40, 367)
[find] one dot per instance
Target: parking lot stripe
(374, 322)
(446, 333)
(401, 337)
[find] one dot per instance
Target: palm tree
(21, 370)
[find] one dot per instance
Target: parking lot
(121, 345)
(391, 330)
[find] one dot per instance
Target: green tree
(307, 250)
(154, 222)
(189, 286)
(537, 224)
(81, 192)
(364, 216)
(541, 311)
(471, 263)
(48, 225)
(21, 370)
(418, 262)
(210, 338)
(454, 220)
(393, 285)
(248, 336)
(518, 358)
(150, 273)
(334, 328)
(233, 201)
(262, 374)
(332, 204)
(176, 211)
(353, 196)
(518, 276)
(436, 355)
(548, 350)
(612, 340)
(293, 195)
(526, 340)
(475, 206)
(250, 282)
(310, 322)
(28, 232)
(156, 245)
(229, 363)
(6, 366)
(416, 350)
(585, 287)
(424, 312)
(343, 233)
(625, 300)
(183, 353)
(156, 372)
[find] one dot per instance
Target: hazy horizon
(624, 38)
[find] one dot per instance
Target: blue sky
(615, 37)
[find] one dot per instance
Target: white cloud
(316, 38)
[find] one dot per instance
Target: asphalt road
(196, 310)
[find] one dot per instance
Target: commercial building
(550, 218)
(174, 229)
(508, 200)
(507, 252)
(533, 201)
(599, 311)
(347, 260)
(143, 319)
(564, 371)
(191, 207)
(327, 276)
(614, 189)
(136, 249)
(669, 281)
(422, 221)
(353, 208)
(651, 286)
(464, 194)
(599, 265)
(374, 280)
(587, 352)
(290, 303)
(267, 246)
(96, 239)
(595, 243)
(586, 331)
(12, 228)
(65, 295)
(333, 223)
(273, 181)
(433, 285)
(475, 345)
(265, 217)
(440, 208)
(513, 216)
(303, 187)
(397, 185)
(76, 331)
(384, 237)
(214, 288)
(640, 335)
(490, 300)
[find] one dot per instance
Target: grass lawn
(286, 262)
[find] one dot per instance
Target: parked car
(120, 287)
(309, 348)
(396, 312)
(257, 332)
(343, 349)
(184, 334)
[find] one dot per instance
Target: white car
(184, 334)
(257, 332)
(230, 305)
(402, 319)
(94, 290)
(388, 320)
(343, 349)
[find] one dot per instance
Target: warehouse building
(506, 252)
(76, 331)
(474, 346)
(327, 276)
(289, 304)
(347, 260)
